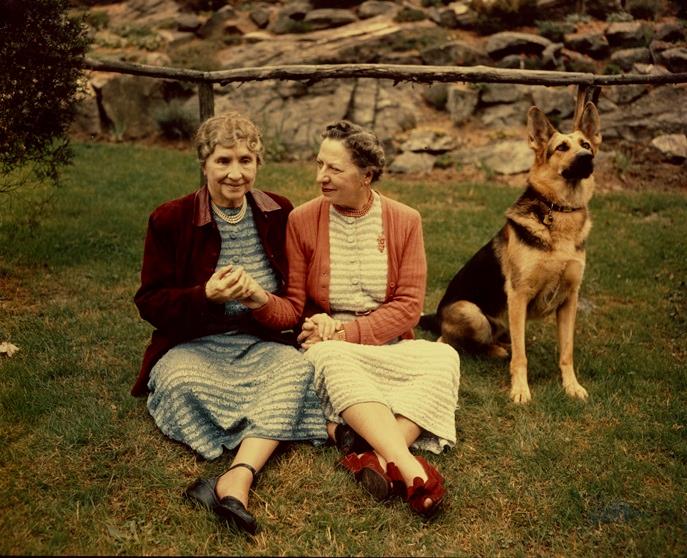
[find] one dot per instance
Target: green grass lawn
(85, 470)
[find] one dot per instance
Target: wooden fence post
(206, 100)
(206, 109)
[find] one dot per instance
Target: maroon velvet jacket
(181, 250)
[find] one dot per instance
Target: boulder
(504, 43)
(461, 102)
(374, 8)
(128, 105)
(551, 57)
(669, 32)
(675, 59)
(188, 22)
(554, 101)
(290, 18)
(505, 157)
(628, 34)
(601, 9)
(396, 109)
(662, 111)
(327, 18)
(436, 95)
(409, 162)
(215, 23)
(86, 112)
(454, 53)
(624, 94)
(509, 157)
(503, 93)
(593, 44)
(429, 141)
(145, 12)
(577, 62)
(505, 116)
(673, 147)
(260, 16)
(454, 16)
(627, 57)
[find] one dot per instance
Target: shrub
(619, 17)
(555, 30)
(97, 19)
(41, 54)
(612, 69)
(176, 122)
(644, 9)
(407, 14)
(197, 55)
(140, 36)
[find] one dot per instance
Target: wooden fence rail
(586, 82)
(588, 85)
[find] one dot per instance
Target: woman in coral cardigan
(357, 271)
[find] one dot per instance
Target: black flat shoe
(348, 440)
(202, 492)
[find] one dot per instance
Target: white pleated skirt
(417, 379)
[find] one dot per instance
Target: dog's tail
(430, 322)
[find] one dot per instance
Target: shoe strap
(246, 465)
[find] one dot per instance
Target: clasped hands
(316, 328)
(235, 283)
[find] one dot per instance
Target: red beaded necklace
(348, 212)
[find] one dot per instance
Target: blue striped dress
(212, 392)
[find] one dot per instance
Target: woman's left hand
(320, 327)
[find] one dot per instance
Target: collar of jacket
(201, 205)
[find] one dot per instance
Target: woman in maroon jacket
(215, 379)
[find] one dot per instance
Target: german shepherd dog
(534, 265)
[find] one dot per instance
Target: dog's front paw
(574, 389)
(520, 393)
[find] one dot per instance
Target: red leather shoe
(416, 494)
(368, 471)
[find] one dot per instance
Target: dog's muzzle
(581, 167)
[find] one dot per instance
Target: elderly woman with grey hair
(215, 378)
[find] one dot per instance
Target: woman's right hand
(234, 283)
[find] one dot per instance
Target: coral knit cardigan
(307, 252)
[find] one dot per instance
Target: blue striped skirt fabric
(212, 392)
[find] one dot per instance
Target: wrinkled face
(230, 173)
(338, 177)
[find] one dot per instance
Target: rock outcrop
(292, 114)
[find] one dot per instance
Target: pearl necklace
(231, 219)
(356, 212)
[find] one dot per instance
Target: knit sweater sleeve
(282, 312)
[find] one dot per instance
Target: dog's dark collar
(531, 192)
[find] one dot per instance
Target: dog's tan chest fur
(546, 278)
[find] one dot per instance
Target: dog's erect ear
(590, 124)
(539, 129)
